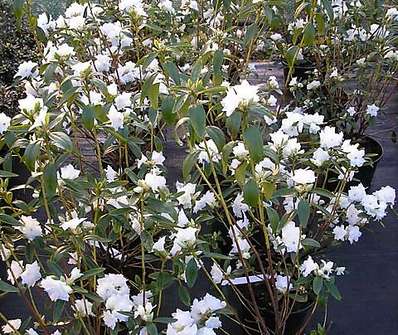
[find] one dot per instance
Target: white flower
(27, 69)
(69, 172)
(329, 138)
(320, 156)
(159, 245)
(15, 271)
(356, 193)
(123, 100)
(372, 110)
(239, 96)
(351, 111)
(386, 194)
(240, 151)
(81, 69)
(110, 319)
(56, 289)
(83, 308)
(110, 174)
(102, 63)
(340, 233)
(132, 5)
(182, 219)
(207, 305)
(157, 158)
(154, 181)
(116, 118)
(72, 224)
(31, 274)
(208, 199)
(239, 207)
(392, 13)
(188, 191)
(216, 273)
(276, 37)
(145, 312)
(30, 227)
(119, 303)
(353, 233)
(209, 152)
(303, 176)
(31, 331)
(325, 270)
(12, 326)
(291, 237)
(308, 266)
(313, 85)
(340, 270)
(5, 122)
(184, 324)
(112, 284)
(184, 238)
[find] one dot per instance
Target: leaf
(62, 140)
(273, 217)
(31, 153)
(217, 135)
(240, 173)
(163, 280)
(9, 219)
(291, 55)
(217, 67)
(189, 162)
(172, 71)
(167, 110)
(184, 296)
(4, 287)
(317, 285)
(311, 243)
(251, 193)
(91, 273)
(333, 290)
(58, 309)
(254, 143)
(50, 180)
(88, 116)
(233, 123)
(251, 33)
(191, 272)
(197, 117)
(7, 174)
(151, 328)
(309, 34)
(268, 189)
(303, 210)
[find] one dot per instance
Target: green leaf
(189, 162)
(191, 272)
(254, 143)
(251, 34)
(4, 287)
(309, 34)
(31, 153)
(311, 243)
(172, 71)
(317, 285)
(184, 296)
(332, 288)
(217, 67)
(217, 135)
(151, 329)
(91, 273)
(88, 117)
(240, 173)
(197, 117)
(233, 123)
(9, 219)
(167, 110)
(251, 193)
(58, 309)
(163, 280)
(62, 140)
(50, 180)
(291, 55)
(273, 217)
(7, 174)
(303, 210)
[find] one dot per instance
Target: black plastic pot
(248, 324)
(365, 173)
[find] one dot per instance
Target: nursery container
(294, 323)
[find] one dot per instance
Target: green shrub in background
(16, 46)
(52, 7)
